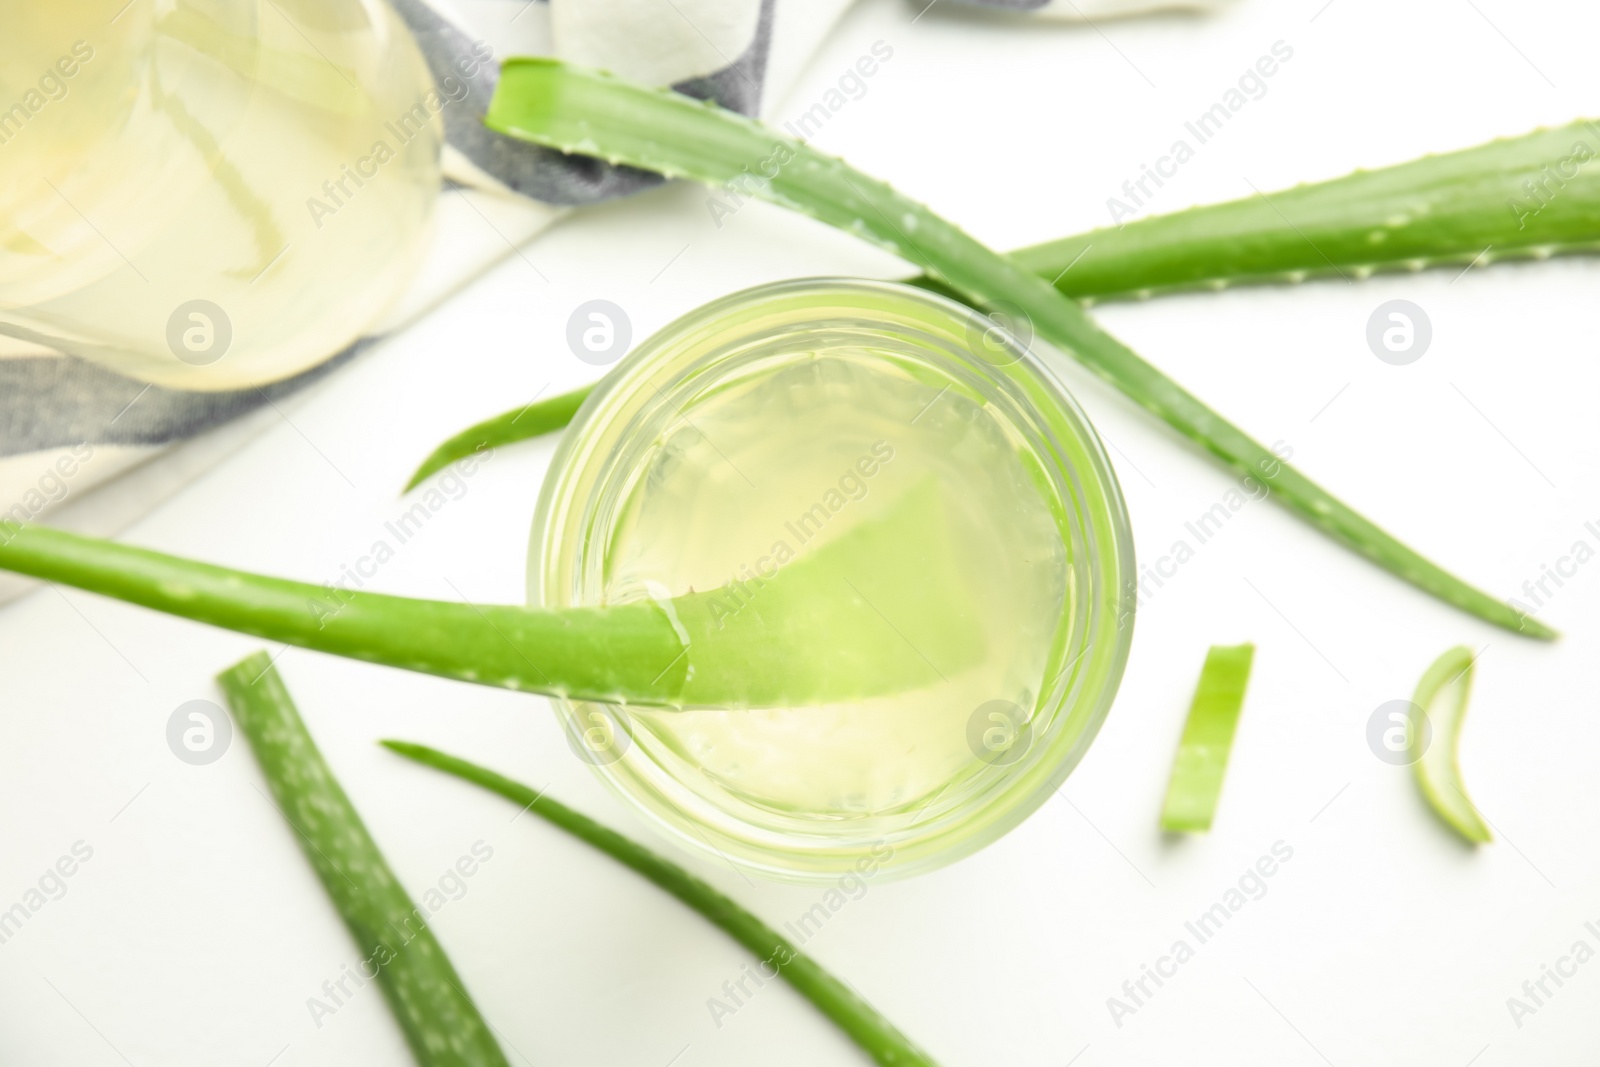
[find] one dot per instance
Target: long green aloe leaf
(1442, 695)
(624, 653)
(1202, 760)
(838, 1001)
(584, 111)
(398, 948)
(807, 635)
(1518, 197)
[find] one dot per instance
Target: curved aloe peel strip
(441, 1023)
(576, 110)
(805, 637)
(839, 1002)
(1202, 759)
(530, 420)
(1528, 196)
(1442, 695)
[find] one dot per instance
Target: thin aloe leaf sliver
(878, 1037)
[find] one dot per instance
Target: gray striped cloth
(88, 449)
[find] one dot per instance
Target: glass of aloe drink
(899, 492)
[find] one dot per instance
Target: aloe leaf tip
(1532, 627)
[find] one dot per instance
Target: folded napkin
(90, 450)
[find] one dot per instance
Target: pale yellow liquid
(728, 486)
(178, 162)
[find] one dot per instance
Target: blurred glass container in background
(210, 194)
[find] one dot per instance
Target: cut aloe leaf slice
(1202, 760)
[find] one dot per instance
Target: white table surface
(196, 933)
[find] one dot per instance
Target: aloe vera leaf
(876, 1035)
(1490, 202)
(1202, 759)
(440, 1022)
(530, 420)
(1442, 695)
(825, 645)
(625, 653)
(1528, 196)
(584, 111)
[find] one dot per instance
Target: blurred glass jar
(210, 194)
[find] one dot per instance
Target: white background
(197, 932)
